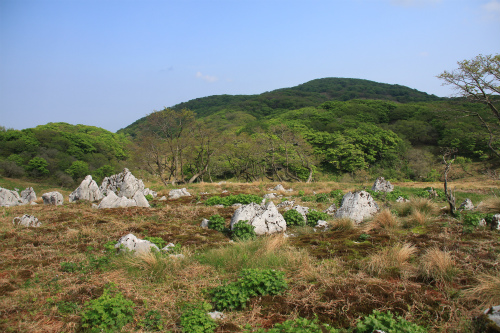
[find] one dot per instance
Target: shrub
(216, 222)
(156, 241)
(252, 282)
(195, 319)
(149, 197)
(321, 197)
(242, 230)
(232, 199)
(385, 219)
(11, 169)
(108, 313)
(313, 216)
(152, 321)
(293, 217)
(387, 323)
(38, 167)
(78, 169)
(298, 325)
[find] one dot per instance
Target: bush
(38, 167)
(252, 282)
(386, 322)
(108, 313)
(242, 230)
(152, 321)
(149, 197)
(321, 197)
(293, 217)
(313, 216)
(216, 222)
(337, 196)
(160, 242)
(78, 169)
(11, 169)
(195, 319)
(298, 325)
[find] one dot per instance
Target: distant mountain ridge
(312, 93)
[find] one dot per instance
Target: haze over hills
(312, 93)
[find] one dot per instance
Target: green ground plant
(293, 217)
(195, 319)
(313, 216)
(385, 321)
(242, 231)
(216, 222)
(233, 199)
(297, 325)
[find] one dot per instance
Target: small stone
(382, 185)
(216, 315)
(177, 193)
(204, 223)
(466, 205)
(137, 246)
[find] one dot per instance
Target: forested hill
(312, 93)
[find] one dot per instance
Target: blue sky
(108, 63)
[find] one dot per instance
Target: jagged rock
(176, 194)
(28, 195)
(321, 224)
(303, 211)
(147, 191)
(266, 219)
(357, 206)
(114, 201)
(382, 185)
(9, 198)
(53, 198)
(204, 223)
(131, 243)
(26, 221)
(163, 198)
(270, 196)
(88, 190)
(124, 184)
(466, 205)
(331, 210)
(287, 203)
(493, 314)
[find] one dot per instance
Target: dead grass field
(422, 267)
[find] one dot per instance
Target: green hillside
(312, 93)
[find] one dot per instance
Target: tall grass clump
(391, 261)
(342, 224)
(437, 265)
(152, 266)
(384, 219)
(487, 290)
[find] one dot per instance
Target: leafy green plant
(321, 197)
(195, 319)
(216, 222)
(385, 321)
(293, 217)
(232, 199)
(252, 282)
(363, 237)
(152, 321)
(109, 247)
(337, 196)
(149, 197)
(308, 198)
(313, 216)
(301, 193)
(108, 313)
(65, 307)
(158, 241)
(71, 267)
(298, 325)
(242, 230)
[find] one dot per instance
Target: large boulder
(26, 221)
(9, 198)
(357, 206)
(88, 190)
(53, 198)
(28, 195)
(133, 244)
(114, 201)
(124, 184)
(382, 185)
(266, 219)
(176, 194)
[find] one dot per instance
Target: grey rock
(163, 198)
(137, 246)
(26, 221)
(270, 196)
(168, 247)
(176, 194)
(382, 185)
(331, 210)
(88, 190)
(287, 203)
(9, 198)
(216, 315)
(52, 198)
(302, 210)
(321, 224)
(493, 314)
(204, 223)
(466, 205)
(114, 201)
(237, 205)
(147, 191)
(124, 184)
(28, 195)
(357, 206)
(279, 188)
(266, 219)
(140, 200)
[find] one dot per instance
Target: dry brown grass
(487, 290)
(437, 265)
(490, 205)
(391, 261)
(384, 219)
(342, 224)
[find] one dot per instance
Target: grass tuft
(487, 290)
(391, 261)
(437, 265)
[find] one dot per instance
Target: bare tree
(450, 197)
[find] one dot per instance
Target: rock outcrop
(331, 210)
(137, 246)
(176, 194)
(303, 211)
(124, 184)
(382, 185)
(9, 198)
(88, 190)
(114, 201)
(279, 188)
(493, 314)
(26, 221)
(53, 198)
(266, 219)
(28, 195)
(466, 205)
(357, 206)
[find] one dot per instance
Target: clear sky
(108, 63)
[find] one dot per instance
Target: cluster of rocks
(11, 198)
(279, 188)
(265, 218)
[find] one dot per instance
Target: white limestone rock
(176, 194)
(279, 188)
(321, 224)
(270, 196)
(216, 315)
(26, 221)
(163, 198)
(266, 219)
(331, 210)
(53, 198)
(140, 200)
(357, 206)
(302, 210)
(133, 244)
(114, 201)
(493, 314)
(287, 203)
(204, 223)
(401, 199)
(88, 190)
(168, 247)
(124, 184)
(466, 205)
(9, 198)
(382, 185)
(28, 195)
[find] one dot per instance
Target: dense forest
(324, 129)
